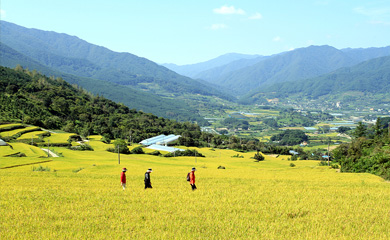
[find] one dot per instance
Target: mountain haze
(250, 75)
(132, 98)
(193, 70)
(72, 55)
(372, 76)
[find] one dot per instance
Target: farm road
(50, 152)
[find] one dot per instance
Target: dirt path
(50, 152)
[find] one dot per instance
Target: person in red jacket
(192, 178)
(123, 178)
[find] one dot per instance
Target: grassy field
(81, 198)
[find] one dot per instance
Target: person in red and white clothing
(123, 178)
(192, 178)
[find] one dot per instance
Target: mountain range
(147, 86)
(245, 76)
(194, 70)
(121, 77)
(372, 76)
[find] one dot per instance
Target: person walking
(192, 178)
(148, 183)
(123, 178)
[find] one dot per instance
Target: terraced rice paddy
(81, 198)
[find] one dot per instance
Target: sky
(192, 31)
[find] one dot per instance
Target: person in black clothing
(148, 183)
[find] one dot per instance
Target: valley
(293, 145)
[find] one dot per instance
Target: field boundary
(26, 164)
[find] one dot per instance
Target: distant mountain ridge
(293, 66)
(365, 80)
(193, 70)
(130, 97)
(370, 76)
(72, 55)
(243, 76)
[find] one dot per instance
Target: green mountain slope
(193, 70)
(291, 66)
(53, 103)
(372, 76)
(363, 84)
(132, 98)
(72, 55)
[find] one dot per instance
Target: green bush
(258, 157)
(155, 153)
(77, 170)
(82, 147)
(137, 150)
(41, 169)
(188, 153)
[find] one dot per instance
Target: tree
(121, 145)
(258, 157)
(360, 130)
(325, 129)
(343, 129)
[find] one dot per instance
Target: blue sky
(184, 32)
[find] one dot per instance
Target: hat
(193, 169)
(124, 170)
(150, 170)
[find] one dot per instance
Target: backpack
(188, 176)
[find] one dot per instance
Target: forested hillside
(251, 75)
(74, 56)
(372, 76)
(140, 100)
(194, 70)
(290, 66)
(53, 103)
(369, 150)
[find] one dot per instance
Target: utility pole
(48, 150)
(328, 152)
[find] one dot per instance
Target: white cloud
(277, 39)
(256, 16)
(2, 14)
(218, 26)
(229, 10)
(380, 23)
(372, 12)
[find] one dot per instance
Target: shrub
(137, 150)
(105, 140)
(221, 167)
(258, 157)
(18, 154)
(121, 144)
(77, 170)
(334, 166)
(292, 165)
(74, 138)
(155, 153)
(188, 153)
(41, 169)
(82, 147)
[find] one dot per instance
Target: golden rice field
(81, 198)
